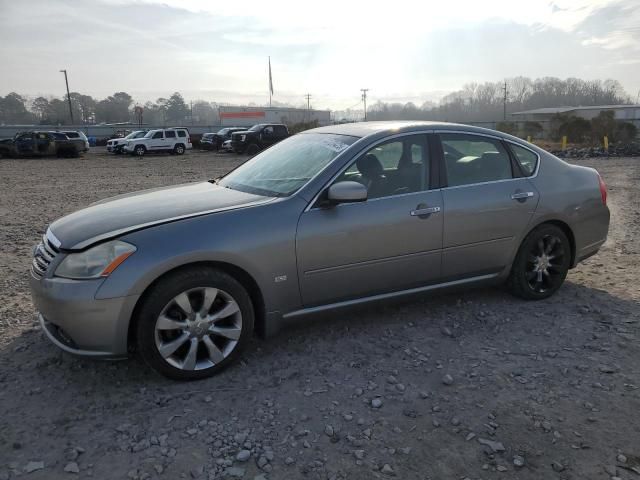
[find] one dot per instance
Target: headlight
(243, 138)
(96, 262)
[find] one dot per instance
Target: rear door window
(473, 159)
(170, 134)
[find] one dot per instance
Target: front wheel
(140, 150)
(194, 323)
(252, 149)
(542, 263)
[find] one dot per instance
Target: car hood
(125, 213)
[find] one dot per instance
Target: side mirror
(347, 192)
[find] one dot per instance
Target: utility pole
(191, 104)
(308, 97)
(504, 104)
(66, 81)
(364, 99)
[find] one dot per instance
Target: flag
(270, 79)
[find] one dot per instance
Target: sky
(402, 51)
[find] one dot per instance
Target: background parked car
(116, 145)
(38, 144)
(214, 141)
(227, 146)
(258, 137)
(79, 138)
(172, 140)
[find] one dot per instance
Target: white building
(247, 116)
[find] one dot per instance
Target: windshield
(284, 168)
(223, 131)
(255, 128)
(133, 135)
(149, 134)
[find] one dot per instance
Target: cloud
(218, 50)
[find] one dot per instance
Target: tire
(541, 264)
(162, 323)
(252, 149)
(179, 149)
(140, 150)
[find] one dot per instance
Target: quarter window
(392, 168)
(474, 159)
(182, 133)
(526, 158)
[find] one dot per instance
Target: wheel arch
(567, 231)
(241, 275)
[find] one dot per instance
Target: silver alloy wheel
(198, 328)
(179, 149)
(140, 151)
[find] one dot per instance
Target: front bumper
(76, 322)
(238, 146)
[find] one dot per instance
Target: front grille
(43, 255)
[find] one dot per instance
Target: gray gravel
(464, 385)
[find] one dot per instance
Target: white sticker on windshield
(333, 144)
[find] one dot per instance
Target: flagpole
(270, 83)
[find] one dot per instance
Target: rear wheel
(542, 263)
(140, 150)
(194, 323)
(252, 149)
(179, 149)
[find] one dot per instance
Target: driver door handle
(521, 195)
(424, 211)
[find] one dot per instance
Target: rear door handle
(521, 195)
(424, 211)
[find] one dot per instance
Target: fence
(100, 132)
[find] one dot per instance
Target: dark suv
(213, 141)
(258, 137)
(38, 144)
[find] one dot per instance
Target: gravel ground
(474, 385)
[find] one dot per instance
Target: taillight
(188, 139)
(603, 189)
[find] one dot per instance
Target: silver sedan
(329, 218)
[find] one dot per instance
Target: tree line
(475, 102)
(485, 102)
(116, 108)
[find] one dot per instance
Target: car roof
(365, 129)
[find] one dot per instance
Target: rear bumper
(76, 322)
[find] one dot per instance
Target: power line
(504, 104)
(308, 97)
(364, 99)
(66, 81)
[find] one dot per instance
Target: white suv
(173, 140)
